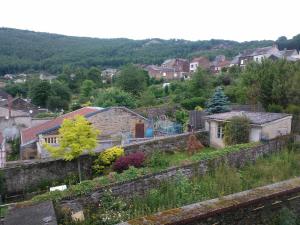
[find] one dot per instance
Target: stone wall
(170, 143)
(114, 120)
(28, 175)
(145, 183)
(252, 207)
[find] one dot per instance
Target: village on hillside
(184, 141)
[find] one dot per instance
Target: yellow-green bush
(107, 157)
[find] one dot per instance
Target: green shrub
(237, 131)
(190, 104)
(275, 108)
(158, 160)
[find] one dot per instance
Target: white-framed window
(242, 61)
(220, 131)
(164, 74)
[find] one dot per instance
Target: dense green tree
(86, 90)
(40, 93)
(60, 96)
(132, 79)
(94, 74)
(114, 97)
(272, 82)
(218, 103)
(200, 82)
(147, 98)
(17, 89)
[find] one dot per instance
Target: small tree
(237, 130)
(75, 137)
(218, 103)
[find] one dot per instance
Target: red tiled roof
(30, 134)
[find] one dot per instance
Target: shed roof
(258, 118)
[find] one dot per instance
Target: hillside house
(218, 64)
(201, 62)
(179, 65)
(264, 126)
(257, 55)
(171, 69)
(158, 73)
(113, 122)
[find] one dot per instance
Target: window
(220, 133)
(242, 61)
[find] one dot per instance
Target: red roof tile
(30, 134)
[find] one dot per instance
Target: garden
(182, 191)
(112, 167)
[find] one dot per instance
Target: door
(139, 130)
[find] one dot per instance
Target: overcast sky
(240, 20)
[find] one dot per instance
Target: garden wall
(256, 206)
(28, 175)
(145, 183)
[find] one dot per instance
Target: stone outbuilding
(263, 125)
(113, 122)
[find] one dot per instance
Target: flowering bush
(107, 157)
(135, 159)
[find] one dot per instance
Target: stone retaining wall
(252, 207)
(30, 175)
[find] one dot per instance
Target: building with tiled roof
(30, 135)
(112, 122)
(263, 125)
(201, 62)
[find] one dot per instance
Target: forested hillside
(22, 50)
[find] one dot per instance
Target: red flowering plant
(134, 159)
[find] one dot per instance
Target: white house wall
(277, 128)
(214, 140)
(255, 134)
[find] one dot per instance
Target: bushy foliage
(107, 158)
(237, 130)
(192, 103)
(181, 116)
(158, 160)
(132, 79)
(218, 103)
(275, 108)
(134, 159)
(114, 97)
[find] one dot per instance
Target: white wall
(213, 131)
(267, 131)
(255, 134)
(277, 128)
(193, 66)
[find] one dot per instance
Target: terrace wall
(145, 183)
(28, 175)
